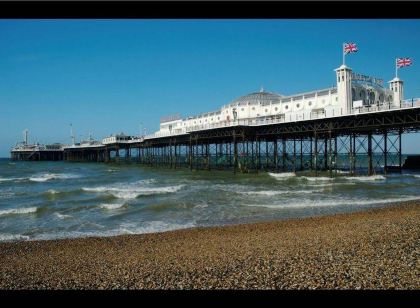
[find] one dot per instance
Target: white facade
(121, 138)
(353, 94)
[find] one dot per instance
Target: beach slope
(375, 249)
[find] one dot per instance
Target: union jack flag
(403, 62)
(350, 47)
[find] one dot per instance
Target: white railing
(287, 118)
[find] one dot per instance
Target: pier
(369, 143)
(355, 127)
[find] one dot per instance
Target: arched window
(309, 103)
(275, 108)
(266, 110)
(372, 97)
(297, 105)
(286, 107)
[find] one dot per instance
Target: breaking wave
(282, 175)
(110, 206)
(331, 203)
(133, 190)
(62, 216)
(11, 179)
(278, 192)
(366, 178)
(317, 178)
(5, 237)
(52, 176)
(26, 210)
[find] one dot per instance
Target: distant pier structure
(354, 126)
(37, 152)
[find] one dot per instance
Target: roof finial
(262, 89)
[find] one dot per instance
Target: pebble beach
(373, 249)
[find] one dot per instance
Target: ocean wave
(132, 191)
(331, 203)
(416, 175)
(5, 237)
(52, 176)
(124, 228)
(329, 184)
(111, 206)
(282, 175)
(62, 216)
(201, 206)
(6, 194)
(11, 179)
(366, 178)
(152, 227)
(316, 178)
(26, 210)
(52, 191)
(278, 192)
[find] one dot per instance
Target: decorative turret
(345, 99)
(396, 86)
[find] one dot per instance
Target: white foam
(110, 206)
(124, 228)
(132, 191)
(52, 176)
(52, 191)
(11, 179)
(4, 237)
(279, 192)
(329, 203)
(417, 176)
(62, 216)
(152, 227)
(366, 178)
(342, 172)
(111, 170)
(329, 184)
(201, 206)
(316, 178)
(26, 210)
(282, 175)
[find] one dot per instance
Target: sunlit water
(48, 200)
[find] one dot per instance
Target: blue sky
(108, 76)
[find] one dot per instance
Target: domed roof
(265, 98)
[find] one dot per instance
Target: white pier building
(354, 93)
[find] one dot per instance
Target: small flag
(350, 47)
(403, 62)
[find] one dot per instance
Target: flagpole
(344, 55)
(396, 68)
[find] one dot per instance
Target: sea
(54, 200)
